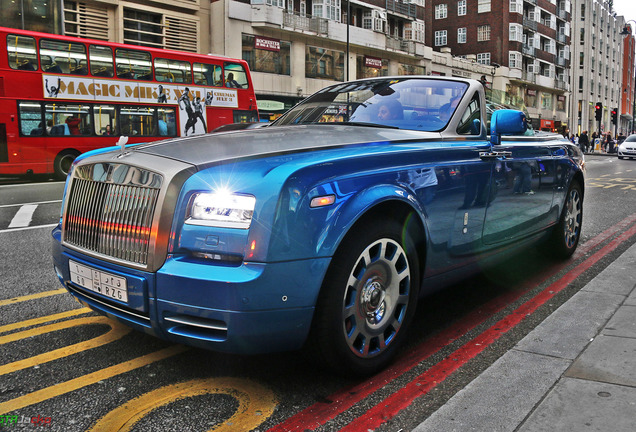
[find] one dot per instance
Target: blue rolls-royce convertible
(320, 230)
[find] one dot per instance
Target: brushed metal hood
(215, 148)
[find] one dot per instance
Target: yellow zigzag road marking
(117, 331)
(44, 319)
(88, 379)
(32, 296)
(256, 404)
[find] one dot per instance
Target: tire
(62, 163)
(567, 233)
(620, 157)
(367, 300)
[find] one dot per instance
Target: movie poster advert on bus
(191, 100)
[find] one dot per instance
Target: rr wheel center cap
(372, 301)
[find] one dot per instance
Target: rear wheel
(367, 300)
(566, 235)
(62, 163)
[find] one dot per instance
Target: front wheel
(566, 234)
(367, 300)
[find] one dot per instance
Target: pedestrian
(584, 142)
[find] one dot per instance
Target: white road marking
(23, 217)
(36, 203)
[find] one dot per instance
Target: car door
(522, 191)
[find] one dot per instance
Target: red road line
(320, 413)
(421, 385)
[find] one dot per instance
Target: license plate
(103, 283)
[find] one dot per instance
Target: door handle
(495, 155)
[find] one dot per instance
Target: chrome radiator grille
(111, 219)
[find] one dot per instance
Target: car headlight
(223, 210)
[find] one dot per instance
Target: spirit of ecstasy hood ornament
(122, 144)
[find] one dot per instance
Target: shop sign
(266, 43)
(373, 62)
(270, 105)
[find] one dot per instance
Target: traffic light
(599, 111)
(614, 115)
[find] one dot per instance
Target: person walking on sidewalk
(584, 142)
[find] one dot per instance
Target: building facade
(628, 88)
(527, 43)
(597, 73)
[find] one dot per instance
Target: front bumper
(246, 309)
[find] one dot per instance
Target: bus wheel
(63, 162)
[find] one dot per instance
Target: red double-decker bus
(61, 96)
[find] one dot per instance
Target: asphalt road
(70, 369)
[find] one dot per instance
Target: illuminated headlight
(222, 210)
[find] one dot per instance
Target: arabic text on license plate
(98, 281)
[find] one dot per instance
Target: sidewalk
(576, 371)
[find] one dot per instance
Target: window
(235, 76)
(461, 35)
(62, 119)
(441, 38)
(470, 120)
(461, 7)
(323, 63)
(207, 74)
(483, 6)
(546, 100)
(136, 121)
(278, 3)
(516, 32)
(516, 6)
(483, 58)
(483, 33)
(174, 71)
(105, 120)
(406, 69)
(273, 58)
(329, 9)
(581, 84)
(22, 52)
(441, 11)
(63, 57)
(514, 60)
(132, 64)
(143, 28)
(101, 61)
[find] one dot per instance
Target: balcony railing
(561, 61)
(560, 85)
(408, 9)
(527, 50)
(399, 44)
(530, 23)
(528, 76)
(561, 38)
(308, 23)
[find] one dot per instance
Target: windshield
(405, 103)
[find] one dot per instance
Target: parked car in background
(321, 230)
(627, 149)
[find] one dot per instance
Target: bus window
(207, 74)
(22, 53)
(167, 122)
(62, 119)
(101, 58)
(175, 71)
(133, 64)
(63, 57)
(235, 76)
(31, 118)
(105, 119)
(136, 121)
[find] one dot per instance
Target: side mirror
(507, 122)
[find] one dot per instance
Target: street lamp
(628, 31)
